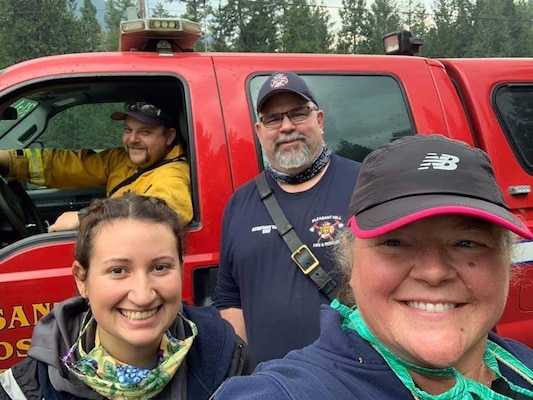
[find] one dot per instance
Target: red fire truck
(369, 100)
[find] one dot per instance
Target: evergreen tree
(199, 11)
(492, 28)
(246, 25)
(382, 18)
(259, 26)
(225, 26)
(418, 21)
(299, 30)
(36, 28)
(451, 35)
(522, 29)
(160, 11)
(353, 15)
(502, 28)
(115, 14)
(323, 27)
(91, 30)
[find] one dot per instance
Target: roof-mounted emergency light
(165, 35)
(402, 42)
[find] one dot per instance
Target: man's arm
(62, 168)
(236, 318)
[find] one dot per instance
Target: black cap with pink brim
(420, 176)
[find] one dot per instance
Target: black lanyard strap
(302, 256)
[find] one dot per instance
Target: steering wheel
(19, 210)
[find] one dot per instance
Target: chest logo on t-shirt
(325, 228)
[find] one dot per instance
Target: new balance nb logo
(444, 161)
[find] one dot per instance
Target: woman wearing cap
(428, 263)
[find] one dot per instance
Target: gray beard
(294, 158)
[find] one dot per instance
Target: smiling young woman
(128, 335)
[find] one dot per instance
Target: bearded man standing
(270, 292)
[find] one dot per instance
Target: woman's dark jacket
(216, 354)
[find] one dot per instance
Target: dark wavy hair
(129, 206)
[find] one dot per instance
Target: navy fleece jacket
(338, 366)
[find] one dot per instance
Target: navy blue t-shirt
(256, 273)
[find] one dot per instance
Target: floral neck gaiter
(116, 380)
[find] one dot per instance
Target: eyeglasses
(296, 115)
(144, 108)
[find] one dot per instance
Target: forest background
(450, 28)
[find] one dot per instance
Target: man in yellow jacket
(150, 163)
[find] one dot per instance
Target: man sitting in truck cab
(152, 163)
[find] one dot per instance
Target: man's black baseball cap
(284, 81)
(147, 111)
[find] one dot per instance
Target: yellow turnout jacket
(78, 169)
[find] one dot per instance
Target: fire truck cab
(66, 101)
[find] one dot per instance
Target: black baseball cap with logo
(147, 111)
(420, 176)
(284, 81)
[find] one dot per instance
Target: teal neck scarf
(464, 388)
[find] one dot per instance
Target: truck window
(82, 127)
(514, 107)
(75, 113)
(363, 112)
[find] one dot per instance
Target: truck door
(497, 95)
